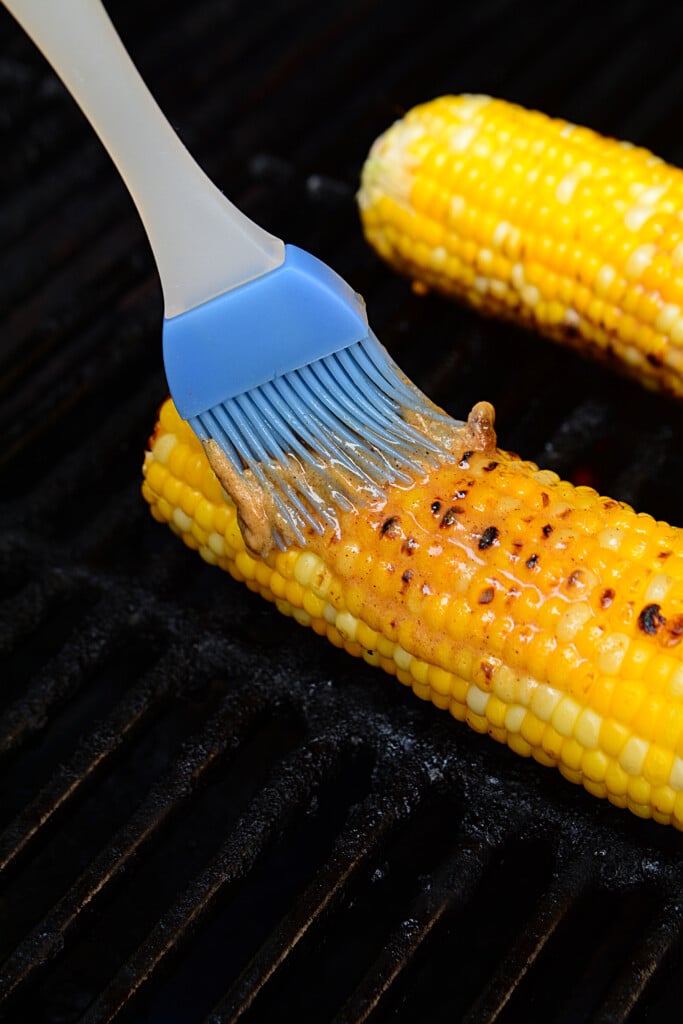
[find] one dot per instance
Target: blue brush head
(285, 375)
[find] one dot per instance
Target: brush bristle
(328, 436)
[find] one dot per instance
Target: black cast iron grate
(205, 813)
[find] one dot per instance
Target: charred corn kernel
(552, 225)
(531, 610)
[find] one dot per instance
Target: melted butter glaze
(489, 554)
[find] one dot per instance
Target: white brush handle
(203, 245)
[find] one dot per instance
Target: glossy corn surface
(538, 612)
(539, 220)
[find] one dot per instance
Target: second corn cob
(538, 612)
(539, 220)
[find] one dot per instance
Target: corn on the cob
(539, 220)
(538, 612)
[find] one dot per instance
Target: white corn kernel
(652, 195)
(612, 651)
(573, 619)
(564, 192)
(658, 587)
(632, 756)
(477, 700)
(506, 684)
(306, 565)
(611, 538)
(564, 716)
(530, 295)
(457, 206)
(163, 446)
(639, 259)
(514, 716)
(402, 658)
(604, 279)
(587, 730)
(216, 543)
(667, 318)
(676, 774)
(526, 688)
(462, 137)
(347, 624)
(182, 520)
(500, 233)
(637, 216)
(517, 276)
(544, 702)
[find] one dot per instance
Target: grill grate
(205, 813)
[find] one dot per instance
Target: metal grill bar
(521, 961)
(291, 790)
(61, 679)
(20, 614)
(656, 948)
(356, 849)
(454, 886)
(103, 742)
(47, 939)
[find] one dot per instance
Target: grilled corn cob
(538, 612)
(539, 220)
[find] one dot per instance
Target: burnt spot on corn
(486, 595)
(459, 495)
(547, 530)
(606, 597)
(406, 578)
(651, 619)
(489, 468)
(435, 507)
(545, 499)
(450, 516)
(487, 669)
(465, 459)
(532, 561)
(488, 537)
(391, 527)
(409, 546)
(674, 628)
(574, 578)
(664, 555)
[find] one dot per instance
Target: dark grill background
(208, 814)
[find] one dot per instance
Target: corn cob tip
(538, 220)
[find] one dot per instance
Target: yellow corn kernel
(555, 226)
(588, 676)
